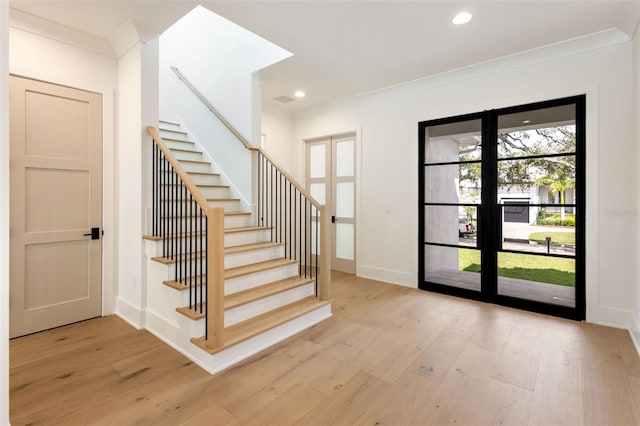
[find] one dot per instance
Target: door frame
(490, 217)
(108, 239)
(329, 170)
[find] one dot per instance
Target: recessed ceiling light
(461, 18)
(299, 94)
(526, 122)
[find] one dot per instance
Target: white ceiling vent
(283, 99)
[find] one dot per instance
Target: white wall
(599, 66)
(279, 130)
(137, 109)
(4, 213)
(219, 59)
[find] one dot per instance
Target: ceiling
(345, 48)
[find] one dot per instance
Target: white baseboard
(405, 279)
(634, 332)
(131, 314)
(610, 317)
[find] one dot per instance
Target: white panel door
(56, 199)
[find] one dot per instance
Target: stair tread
(168, 138)
(257, 267)
(247, 296)
(208, 199)
(169, 122)
(252, 246)
(226, 213)
(182, 132)
(243, 297)
(194, 161)
(204, 185)
(195, 313)
(237, 271)
(245, 330)
(245, 229)
(194, 173)
(186, 150)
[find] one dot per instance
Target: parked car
(465, 227)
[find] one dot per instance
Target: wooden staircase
(266, 299)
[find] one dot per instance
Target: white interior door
(56, 200)
(330, 177)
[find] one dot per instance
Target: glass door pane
(536, 195)
(452, 181)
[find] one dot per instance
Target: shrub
(554, 219)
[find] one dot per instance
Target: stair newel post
(215, 276)
(325, 254)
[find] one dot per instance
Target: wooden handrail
(215, 112)
(215, 247)
(242, 139)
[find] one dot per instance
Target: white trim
(54, 31)
(545, 53)
(405, 279)
(131, 314)
(634, 332)
(109, 190)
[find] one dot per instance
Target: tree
(557, 185)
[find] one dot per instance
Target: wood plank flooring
(389, 356)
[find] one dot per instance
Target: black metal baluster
(300, 240)
(180, 230)
(165, 250)
(202, 254)
(191, 253)
(187, 264)
(271, 199)
(153, 186)
(259, 182)
(317, 239)
(206, 279)
(290, 224)
(281, 206)
(306, 237)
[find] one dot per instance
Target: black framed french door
(502, 204)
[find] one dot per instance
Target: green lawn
(550, 270)
(566, 238)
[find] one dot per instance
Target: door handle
(94, 234)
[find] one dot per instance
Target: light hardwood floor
(389, 355)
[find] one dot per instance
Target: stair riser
(230, 221)
(258, 307)
(196, 167)
(179, 144)
(252, 256)
(208, 192)
(238, 221)
(173, 135)
(217, 192)
(191, 155)
(228, 205)
(164, 125)
(206, 179)
(248, 237)
(246, 282)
